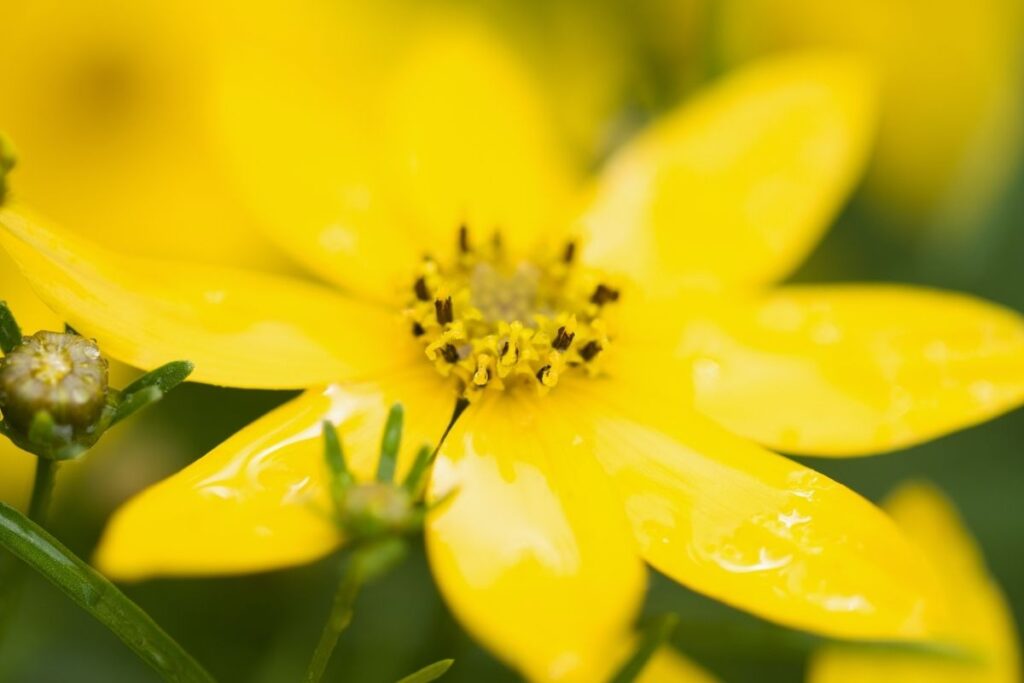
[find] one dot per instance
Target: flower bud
(370, 510)
(62, 374)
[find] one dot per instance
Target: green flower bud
(61, 374)
(372, 510)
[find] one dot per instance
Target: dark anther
(450, 353)
(496, 242)
(417, 330)
(603, 294)
(589, 350)
(563, 339)
(570, 252)
(443, 309)
(422, 293)
(463, 238)
(506, 347)
(543, 371)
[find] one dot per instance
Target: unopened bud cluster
(63, 375)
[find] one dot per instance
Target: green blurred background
(941, 206)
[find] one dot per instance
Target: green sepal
(150, 388)
(10, 332)
(334, 454)
(429, 673)
(417, 475)
(654, 635)
(390, 443)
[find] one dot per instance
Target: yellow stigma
(491, 321)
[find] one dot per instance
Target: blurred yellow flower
(951, 129)
(982, 624)
(108, 104)
(591, 335)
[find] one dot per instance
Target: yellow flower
(950, 135)
(982, 625)
(616, 419)
(108, 103)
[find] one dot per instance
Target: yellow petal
(240, 328)
(950, 131)
(737, 186)
(748, 527)
(470, 140)
(381, 148)
(982, 622)
(854, 369)
(668, 666)
(106, 102)
(533, 553)
(258, 501)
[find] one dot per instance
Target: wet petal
(239, 328)
(259, 500)
(738, 185)
(533, 553)
(854, 369)
(982, 624)
(748, 527)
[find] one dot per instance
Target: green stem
(42, 490)
(364, 564)
(31, 544)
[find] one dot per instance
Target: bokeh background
(113, 106)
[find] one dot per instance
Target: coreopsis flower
(950, 133)
(626, 357)
(983, 643)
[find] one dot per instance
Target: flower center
(491, 321)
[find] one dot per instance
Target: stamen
(450, 353)
(604, 294)
(420, 288)
(443, 310)
(589, 350)
(489, 321)
(563, 339)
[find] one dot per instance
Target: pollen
(492, 321)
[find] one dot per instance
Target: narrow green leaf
(390, 443)
(31, 544)
(134, 402)
(431, 672)
(165, 378)
(656, 633)
(10, 333)
(417, 475)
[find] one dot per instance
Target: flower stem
(364, 565)
(42, 490)
(91, 591)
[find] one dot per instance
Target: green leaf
(390, 443)
(134, 402)
(165, 377)
(31, 544)
(431, 672)
(659, 630)
(10, 333)
(417, 475)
